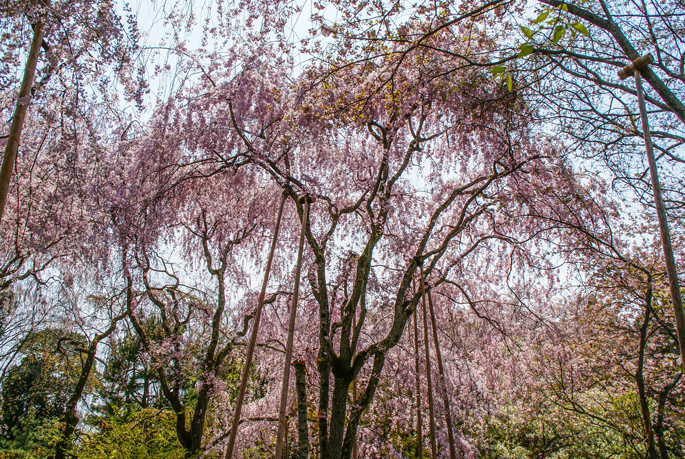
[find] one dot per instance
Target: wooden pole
(417, 367)
(253, 336)
(20, 110)
(634, 68)
(441, 373)
(354, 387)
(431, 409)
(306, 200)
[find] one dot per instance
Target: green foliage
(145, 433)
(35, 392)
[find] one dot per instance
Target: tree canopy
(481, 271)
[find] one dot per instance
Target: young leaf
(541, 18)
(559, 32)
(526, 49)
(564, 7)
(527, 32)
(580, 28)
(498, 69)
(510, 82)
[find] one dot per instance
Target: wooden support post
(441, 374)
(305, 200)
(354, 386)
(634, 69)
(253, 335)
(417, 367)
(12, 145)
(431, 409)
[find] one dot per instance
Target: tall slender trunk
(70, 417)
(20, 110)
(644, 407)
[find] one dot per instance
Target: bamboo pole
(441, 374)
(635, 67)
(354, 386)
(431, 409)
(305, 200)
(253, 335)
(417, 367)
(12, 146)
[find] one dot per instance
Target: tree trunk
(644, 407)
(302, 429)
(70, 418)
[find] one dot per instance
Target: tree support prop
(431, 409)
(253, 336)
(634, 68)
(305, 200)
(441, 372)
(20, 110)
(417, 367)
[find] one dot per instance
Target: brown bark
(302, 428)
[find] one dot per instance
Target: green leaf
(542, 17)
(526, 49)
(580, 28)
(564, 7)
(510, 82)
(498, 69)
(559, 32)
(527, 32)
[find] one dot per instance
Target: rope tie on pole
(253, 335)
(305, 201)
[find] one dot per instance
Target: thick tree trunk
(302, 428)
(20, 110)
(338, 411)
